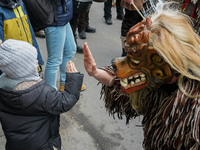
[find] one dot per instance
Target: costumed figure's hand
(89, 62)
(70, 67)
(91, 68)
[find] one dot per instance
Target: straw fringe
(174, 124)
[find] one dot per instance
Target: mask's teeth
(143, 79)
(142, 75)
(131, 77)
(125, 81)
(132, 83)
(123, 84)
(137, 81)
(135, 61)
(136, 76)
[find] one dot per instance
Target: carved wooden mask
(143, 66)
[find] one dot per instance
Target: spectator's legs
(81, 22)
(87, 18)
(120, 13)
(107, 11)
(55, 39)
(74, 25)
(131, 18)
(68, 53)
(82, 26)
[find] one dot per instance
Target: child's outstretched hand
(70, 67)
(89, 62)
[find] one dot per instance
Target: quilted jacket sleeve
(59, 102)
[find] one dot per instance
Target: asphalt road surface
(88, 126)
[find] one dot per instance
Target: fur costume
(159, 51)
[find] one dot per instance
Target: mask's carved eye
(158, 60)
(134, 61)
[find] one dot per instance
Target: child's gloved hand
(70, 67)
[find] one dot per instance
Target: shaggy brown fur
(171, 111)
(170, 119)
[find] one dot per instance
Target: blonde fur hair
(173, 37)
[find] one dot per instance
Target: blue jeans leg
(61, 47)
(68, 53)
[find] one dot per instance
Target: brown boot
(83, 87)
(61, 88)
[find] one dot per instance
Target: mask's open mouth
(133, 83)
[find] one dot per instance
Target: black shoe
(108, 21)
(79, 49)
(82, 35)
(120, 17)
(40, 34)
(90, 29)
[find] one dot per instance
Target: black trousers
(108, 6)
(74, 22)
(131, 18)
(74, 25)
(80, 21)
(83, 21)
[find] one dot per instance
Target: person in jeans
(30, 109)
(61, 45)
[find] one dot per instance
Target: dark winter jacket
(30, 117)
(64, 12)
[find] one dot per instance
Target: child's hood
(21, 99)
